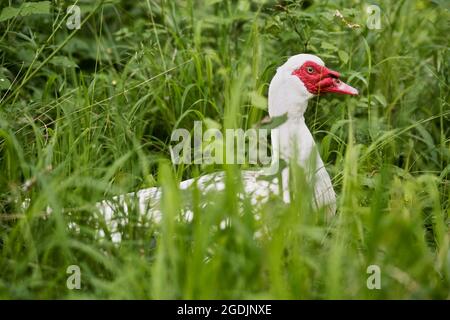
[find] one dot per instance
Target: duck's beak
(343, 88)
(331, 83)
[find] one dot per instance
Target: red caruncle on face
(319, 79)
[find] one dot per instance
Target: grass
(87, 114)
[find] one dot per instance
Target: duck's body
(302, 77)
(148, 201)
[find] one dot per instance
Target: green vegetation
(86, 114)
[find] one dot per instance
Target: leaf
(343, 56)
(26, 55)
(4, 82)
(62, 61)
(26, 9)
(381, 99)
(282, 164)
(349, 12)
(258, 100)
(274, 122)
(328, 46)
(211, 124)
(272, 27)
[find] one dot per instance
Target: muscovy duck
(299, 79)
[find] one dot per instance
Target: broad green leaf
(26, 9)
(4, 82)
(282, 164)
(343, 56)
(381, 99)
(274, 122)
(258, 100)
(63, 61)
(328, 46)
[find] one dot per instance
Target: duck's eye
(309, 70)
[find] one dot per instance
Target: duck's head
(300, 78)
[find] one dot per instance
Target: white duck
(302, 77)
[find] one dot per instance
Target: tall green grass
(87, 114)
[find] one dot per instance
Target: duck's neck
(294, 141)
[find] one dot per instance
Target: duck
(301, 78)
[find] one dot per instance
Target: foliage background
(87, 114)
